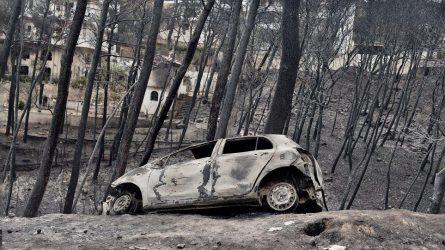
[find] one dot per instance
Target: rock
(379, 159)
(9, 231)
(180, 246)
(313, 242)
(137, 248)
(335, 247)
(273, 229)
(199, 120)
(39, 231)
(328, 179)
(288, 223)
(85, 231)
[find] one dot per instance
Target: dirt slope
(392, 229)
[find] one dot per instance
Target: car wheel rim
(122, 203)
(282, 196)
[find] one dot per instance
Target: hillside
(351, 229)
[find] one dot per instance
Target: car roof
(277, 139)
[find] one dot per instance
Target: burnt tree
(191, 48)
(139, 92)
(75, 167)
(33, 204)
(282, 101)
(7, 44)
(241, 51)
(224, 71)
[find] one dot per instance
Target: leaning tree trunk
(34, 66)
(7, 44)
(438, 192)
(224, 71)
(36, 196)
(130, 81)
(100, 156)
(202, 63)
(191, 48)
(241, 51)
(10, 120)
(85, 110)
(139, 92)
(282, 101)
(16, 76)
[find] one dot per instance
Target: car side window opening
(194, 153)
(246, 144)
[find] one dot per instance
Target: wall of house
(79, 67)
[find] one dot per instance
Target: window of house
(154, 96)
(29, 29)
(25, 55)
(24, 70)
(246, 144)
(49, 58)
(47, 74)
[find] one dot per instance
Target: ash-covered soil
(392, 229)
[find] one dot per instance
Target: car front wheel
(124, 203)
(281, 196)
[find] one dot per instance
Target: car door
(183, 177)
(239, 163)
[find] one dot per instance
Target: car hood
(133, 175)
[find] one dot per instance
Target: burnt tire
(124, 203)
(280, 196)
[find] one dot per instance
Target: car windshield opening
(246, 144)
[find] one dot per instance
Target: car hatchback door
(239, 163)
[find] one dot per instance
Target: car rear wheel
(124, 203)
(281, 196)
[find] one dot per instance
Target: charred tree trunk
(7, 44)
(241, 51)
(130, 81)
(282, 101)
(85, 110)
(34, 67)
(105, 104)
(139, 92)
(191, 48)
(36, 196)
(212, 71)
(224, 71)
(202, 63)
(10, 120)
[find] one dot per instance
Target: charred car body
(269, 170)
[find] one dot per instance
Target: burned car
(269, 170)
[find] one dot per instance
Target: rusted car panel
(223, 172)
